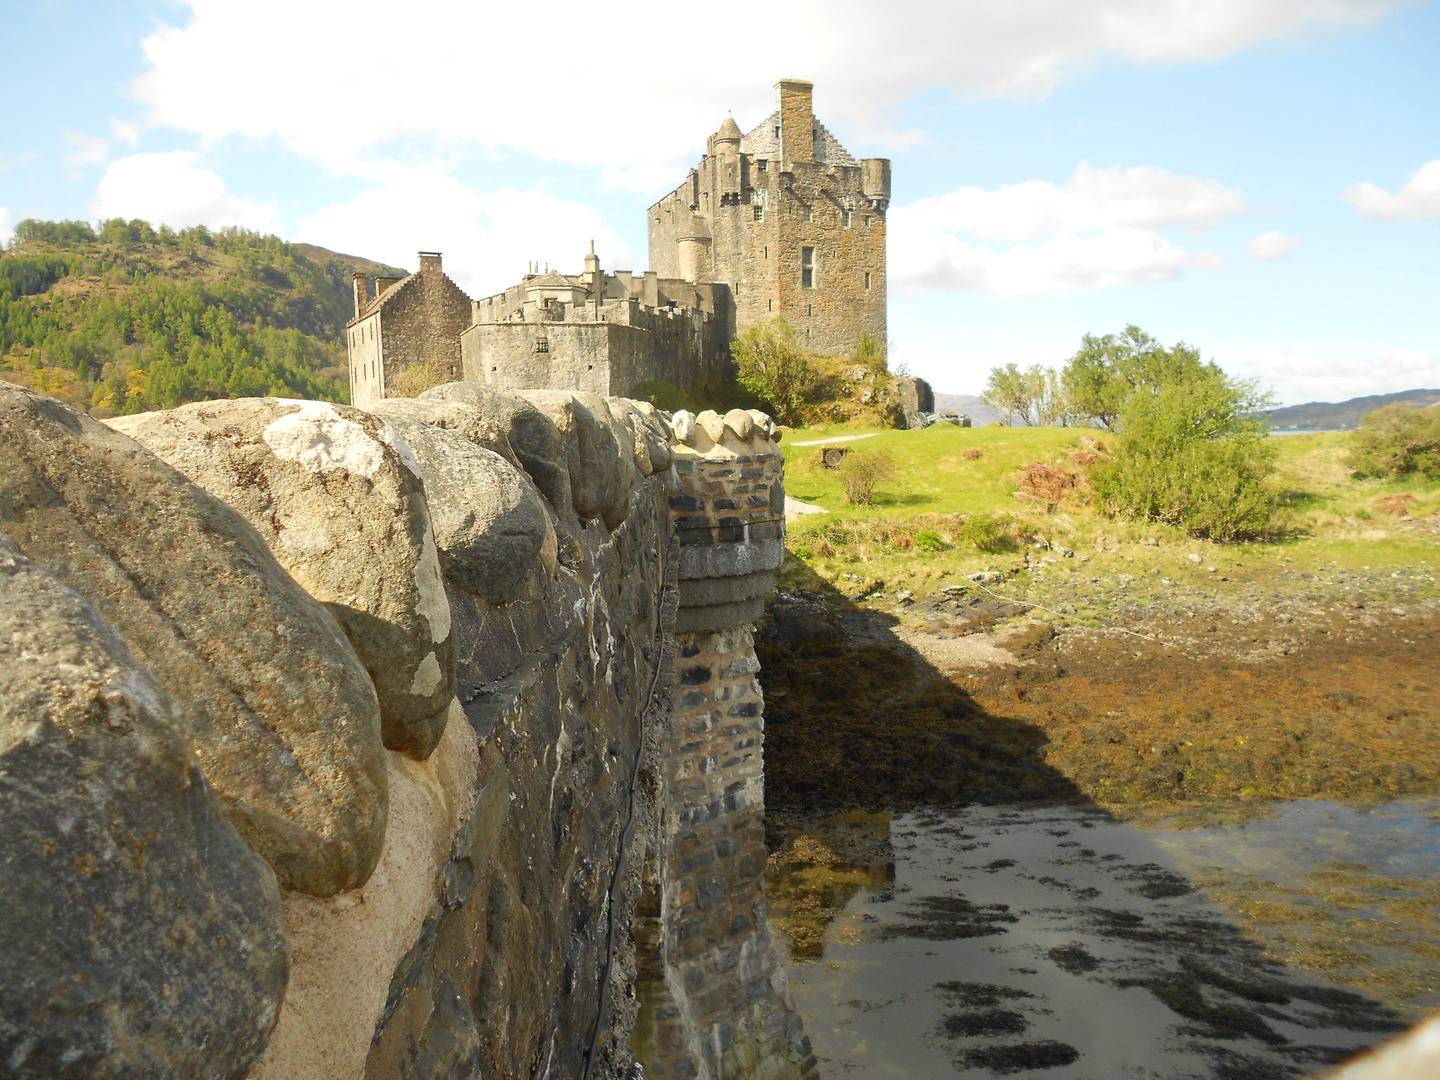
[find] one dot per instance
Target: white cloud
(6, 229)
(1272, 245)
(1139, 198)
(1419, 198)
(1098, 229)
(620, 91)
(487, 238)
(169, 188)
(122, 131)
(85, 149)
(1298, 376)
(23, 161)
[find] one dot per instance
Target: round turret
(694, 244)
(729, 132)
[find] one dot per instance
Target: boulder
(490, 523)
(139, 937)
(283, 717)
(465, 419)
(599, 452)
(538, 445)
(331, 491)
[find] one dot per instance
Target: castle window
(771, 304)
(867, 221)
(848, 216)
(809, 213)
(767, 251)
(762, 165)
(867, 279)
(807, 267)
(777, 131)
(809, 309)
(759, 211)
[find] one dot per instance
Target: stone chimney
(430, 261)
(361, 288)
(797, 122)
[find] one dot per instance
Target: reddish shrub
(1046, 483)
(1399, 505)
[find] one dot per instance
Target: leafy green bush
(928, 540)
(987, 532)
(1396, 441)
(869, 354)
(772, 367)
(861, 471)
(1190, 455)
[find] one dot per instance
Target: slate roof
(762, 143)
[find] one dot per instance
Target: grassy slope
(1331, 522)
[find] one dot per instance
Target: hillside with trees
(128, 318)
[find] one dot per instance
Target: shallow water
(1060, 942)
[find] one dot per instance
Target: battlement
(605, 333)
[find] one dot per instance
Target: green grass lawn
(1329, 521)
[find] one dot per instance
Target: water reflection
(1060, 942)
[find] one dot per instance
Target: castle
(781, 221)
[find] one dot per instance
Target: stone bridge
(424, 742)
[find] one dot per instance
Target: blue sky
(1258, 177)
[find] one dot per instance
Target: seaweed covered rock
(330, 490)
(283, 717)
(138, 935)
(490, 522)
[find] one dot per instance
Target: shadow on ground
(861, 728)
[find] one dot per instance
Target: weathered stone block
(719, 616)
(138, 934)
(536, 442)
(283, 717)
(489, 521)
(341, 503)
(730, 560)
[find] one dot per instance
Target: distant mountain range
(1312, 416)
(1342, 415)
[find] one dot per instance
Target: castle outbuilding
(787, 219)
(410, 321)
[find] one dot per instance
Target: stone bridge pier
(713, 998)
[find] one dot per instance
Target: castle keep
(789, 221)
(778, 222)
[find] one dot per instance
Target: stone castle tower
(789, 220)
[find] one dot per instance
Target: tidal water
(1061, 942)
